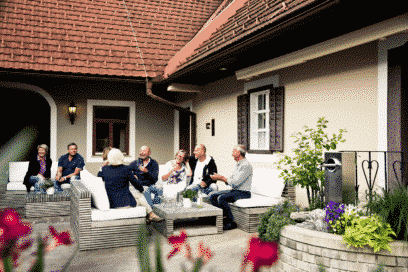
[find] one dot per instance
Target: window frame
(111, 122)
(276, 125)
(90, 128)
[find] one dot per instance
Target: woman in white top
(177, 172)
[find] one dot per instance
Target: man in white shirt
(202, 166)
(240, 180)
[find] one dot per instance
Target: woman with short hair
(39, 169)
(177, 172)
(117, 176)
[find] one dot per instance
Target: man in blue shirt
(69, 165)
(146, 171)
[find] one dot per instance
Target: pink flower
(62, 238)
(11, 226)
(177, 242)
(260, 253)
(204, 252)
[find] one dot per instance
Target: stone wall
(303, 250)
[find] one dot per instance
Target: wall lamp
(72, 112)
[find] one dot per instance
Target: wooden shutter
(243, 115)
(276, 107)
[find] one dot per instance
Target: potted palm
(48, 186)
(188, 197)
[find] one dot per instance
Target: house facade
(248, 72)
(353, 78)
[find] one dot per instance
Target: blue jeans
(57, 184)
(208, 190)
(153, 190)
(34, 180)
(222, 198)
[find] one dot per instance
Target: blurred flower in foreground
(12, 230)
(260, 253)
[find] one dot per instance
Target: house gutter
(202, 36)
(149, 92)
(242, 44)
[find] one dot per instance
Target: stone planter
(303, 249)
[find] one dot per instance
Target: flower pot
(187, 203)
(50, 190)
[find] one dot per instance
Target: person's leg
(148, 196)
(194, 187)
(33, 180)
(230, 197)
(157, 192)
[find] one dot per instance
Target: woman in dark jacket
(117, 177)
(39, 165)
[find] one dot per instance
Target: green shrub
(273, 221)
(393, 208)
(369, 231)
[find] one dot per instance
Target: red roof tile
(253, 16)
(96, 37)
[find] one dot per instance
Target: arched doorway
(31, 109)
(26, 109)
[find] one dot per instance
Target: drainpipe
(149, 92)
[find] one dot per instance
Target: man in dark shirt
(146, 171)
(69, 166)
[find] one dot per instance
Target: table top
(172, 211)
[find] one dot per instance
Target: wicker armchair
(91, 234)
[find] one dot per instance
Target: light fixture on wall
(72, 112)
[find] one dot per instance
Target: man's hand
(215, 177)
(143, 169)
(203, 184)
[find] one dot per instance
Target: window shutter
(276, 107)
(243, 115)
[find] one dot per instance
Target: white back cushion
(97, 188)
(54, 169)
(267, 182)
(162, 171)
(17, 171)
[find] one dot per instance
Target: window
(260, 119)
(110, 128)
(110, 131)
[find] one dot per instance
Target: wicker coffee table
(195, 221)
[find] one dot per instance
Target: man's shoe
(229, 226)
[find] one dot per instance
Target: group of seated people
(198, 172)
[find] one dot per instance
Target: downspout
(149, 92)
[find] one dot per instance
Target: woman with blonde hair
(39, 168)
(117, 176)
(177, 172)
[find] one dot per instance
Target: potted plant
(48, 186)
(188, 197)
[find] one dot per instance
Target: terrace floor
(228, 248)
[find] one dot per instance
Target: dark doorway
(24, 109)
(187, 127)
(397, 113)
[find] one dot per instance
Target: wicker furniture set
(196, 221)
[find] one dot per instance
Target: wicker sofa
(267, 189)
(101, 227)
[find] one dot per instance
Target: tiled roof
(253, 16)
(95, 36)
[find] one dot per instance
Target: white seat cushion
(267, 182)
(97, 188)
(112, 214)
(258, 201)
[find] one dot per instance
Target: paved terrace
(228, 248)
